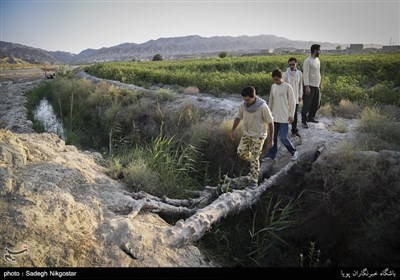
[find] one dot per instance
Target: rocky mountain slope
(58, 205)
(168, 47)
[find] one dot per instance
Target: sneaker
(267, 158)
(304, 125)
(294, 156)
(296, 134)
(313, 120)
(252, 185)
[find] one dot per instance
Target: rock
(12, 152)
(59, 203)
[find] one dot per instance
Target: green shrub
(340, 202)
(380, 128)
(344, 76)
(223, 54)
(157, 57)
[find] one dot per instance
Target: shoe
(304, 125)
(267, 158)
(296, 134)
(253, 185)
(313, 120)
(294, 156)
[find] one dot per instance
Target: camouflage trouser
(250, 149)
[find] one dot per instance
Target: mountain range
(170, 48)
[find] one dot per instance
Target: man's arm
(300, 86)
(271, 98)
(270, 141)
(292, 104)
(235, 124)
(306, 75)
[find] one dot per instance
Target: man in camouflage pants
(257, 124)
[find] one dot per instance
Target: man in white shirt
(257, 125)
(294, 77)
(312, 84)
(282, 104)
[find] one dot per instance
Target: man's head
(292, 62)
(249, 95)
(277, 76)
(315, 50)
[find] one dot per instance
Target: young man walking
(312, 84)
(282, 104)
(294, 77)
(257, 125)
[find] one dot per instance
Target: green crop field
(366, 78)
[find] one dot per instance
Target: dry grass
(191, 90)
(348, 109)
(380, 128)
(339, 127)
(326, 110)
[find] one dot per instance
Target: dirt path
(321, 134)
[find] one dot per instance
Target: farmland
(370, 78)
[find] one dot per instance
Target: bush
(343, 205)
(157, 57)
(326, 110)
(223, 54)
(344, 76)
(380, 128)
(253, 237)
(191, 90)
(347, 109)
(383, 93)
(141, 177)
(165, 95)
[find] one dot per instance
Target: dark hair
(277, 73)
(249, 91)
(315, 47)
(292, 59)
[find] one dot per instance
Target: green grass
(367, 77)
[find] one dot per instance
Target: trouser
(294, 123)
(282, 130)
(310, 104)
(250, 149)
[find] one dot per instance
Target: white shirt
(282, 102)
(255, 124)
(296, 82)
(311, 71)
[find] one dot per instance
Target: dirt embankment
(57, 201)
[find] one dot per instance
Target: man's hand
(232, 134)
(308, 90)
(300, 99)
(270, 142)
(290, 120)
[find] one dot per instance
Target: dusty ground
(20, 75)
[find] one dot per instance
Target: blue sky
(77, 25)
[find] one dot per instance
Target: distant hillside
(13, 61)
(31, 55)
(168, 47)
